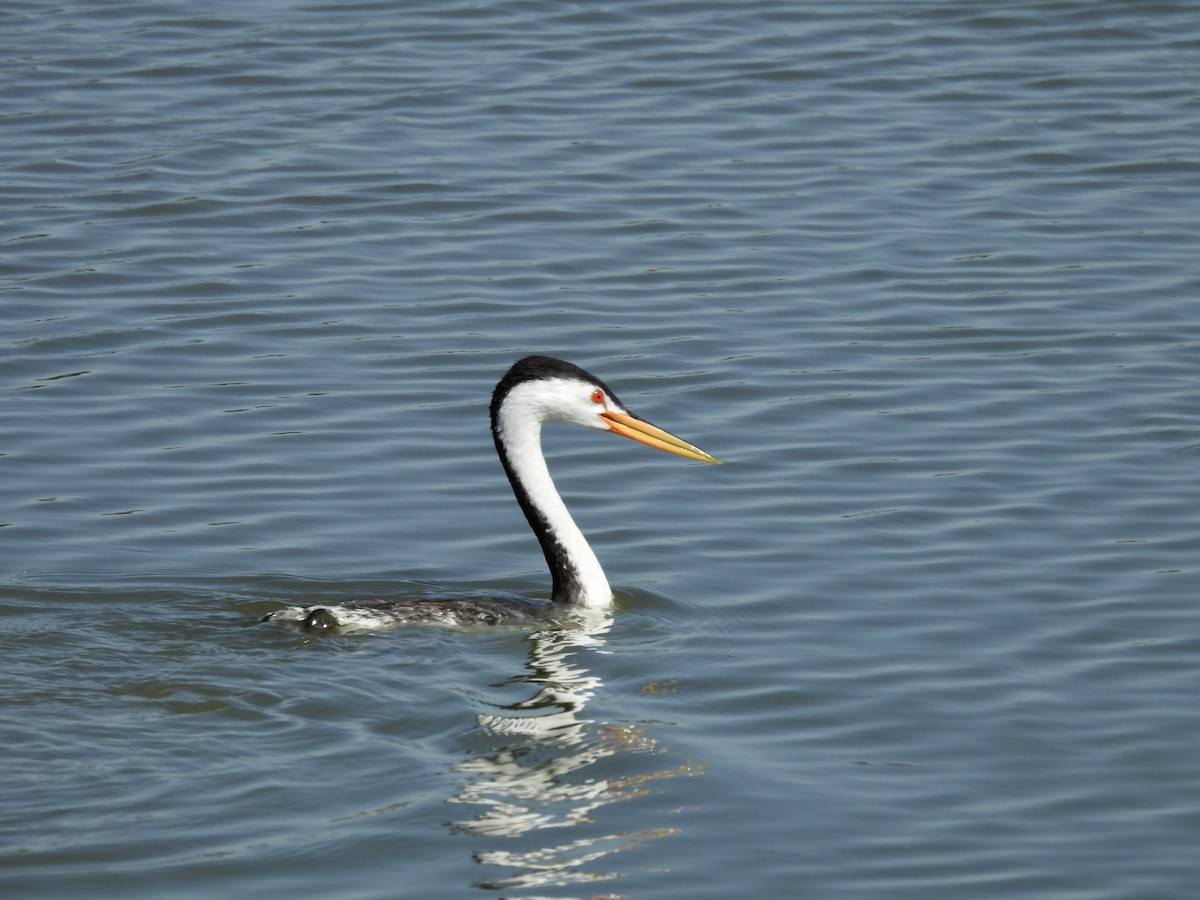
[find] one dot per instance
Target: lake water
(925, 275)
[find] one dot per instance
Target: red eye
(597, 396)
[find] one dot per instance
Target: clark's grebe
(536, 389)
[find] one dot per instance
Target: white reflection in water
(539, 777)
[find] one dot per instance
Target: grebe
(536, 389)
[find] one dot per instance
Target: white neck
(577, 573)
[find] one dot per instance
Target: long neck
(578, 578)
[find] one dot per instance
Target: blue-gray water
(925, 275)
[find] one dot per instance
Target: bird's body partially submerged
(535, 390)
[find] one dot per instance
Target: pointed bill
(630, 426)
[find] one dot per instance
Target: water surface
(925, 277)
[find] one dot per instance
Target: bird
(535, 390)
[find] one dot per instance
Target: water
(924, 276)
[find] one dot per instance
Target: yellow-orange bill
(643, 432)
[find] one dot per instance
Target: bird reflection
(541, 776)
